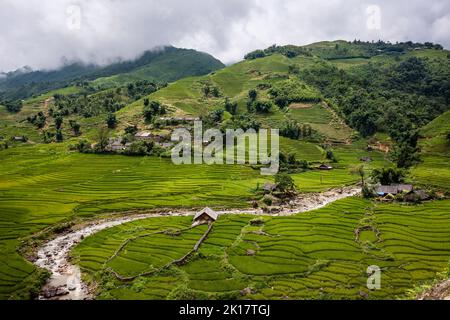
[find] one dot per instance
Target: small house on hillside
(115, 145)
(417, 196)
(205, 216)
(179, 119)
(394, 189)
(19, 139)
(161, 138)
(144, 135)
(325, 167)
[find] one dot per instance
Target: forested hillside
(165, 64)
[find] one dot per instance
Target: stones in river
(52, 292)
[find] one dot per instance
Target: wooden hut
(205, 216)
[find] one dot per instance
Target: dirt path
(65, 282)
(46, 104)
(441, 291)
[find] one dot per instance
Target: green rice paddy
(307, 256)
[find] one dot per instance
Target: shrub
(268, 200)
(58, 122)
(140, 148)
(231, 107)
(111, 120)
(291, 129)
(131, 130)
(252, 95)
(75, 126)
(293, 90)
(59, 136)
(152, 109)
(387, 176)
(13, 106)
(263, 106)
(83, 146)
(284, 182)
(37, 120)
(329, 155)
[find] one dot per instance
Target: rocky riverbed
(65, 282)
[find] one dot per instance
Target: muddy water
(65, 282)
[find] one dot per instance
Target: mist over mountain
(164, 64)
(99, 31)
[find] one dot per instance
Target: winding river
(65, 282)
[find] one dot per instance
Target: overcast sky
(44, 33)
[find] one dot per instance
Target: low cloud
(45, 33)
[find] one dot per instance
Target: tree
(59, 136)
(153, 109)
(231, 107)
(132, 130)
(47, 136)
(140, 148)
(294, 69)
(359, 170)
(102, 140)
(406, 152)
(206, 90)
(330, 156)
(111, 120)
(252, 95)
(263, 106)
(58, 122)
(365, 121)
(13, 106)
(387, 176)
(291, 129)
(284, 182)
(254, 55)
(217, 115)
(306, 130)
(75, 126)
(83, 146)
(215, 92)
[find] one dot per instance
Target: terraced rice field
(43, 185)
(434, 169)
(312, 255)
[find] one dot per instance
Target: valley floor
(322, 254)
(65, 281)
(44, 190)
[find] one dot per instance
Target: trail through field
(65, 282)
(46, 104)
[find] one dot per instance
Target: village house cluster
(404, 192)
(119, 144)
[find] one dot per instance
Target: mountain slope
(165, 65)
(433, 170)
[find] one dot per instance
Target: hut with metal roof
(205, 216)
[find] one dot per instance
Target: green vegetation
(330, 100)
(43, 185)
(165, 65)
(308, 256)
(433, 169)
